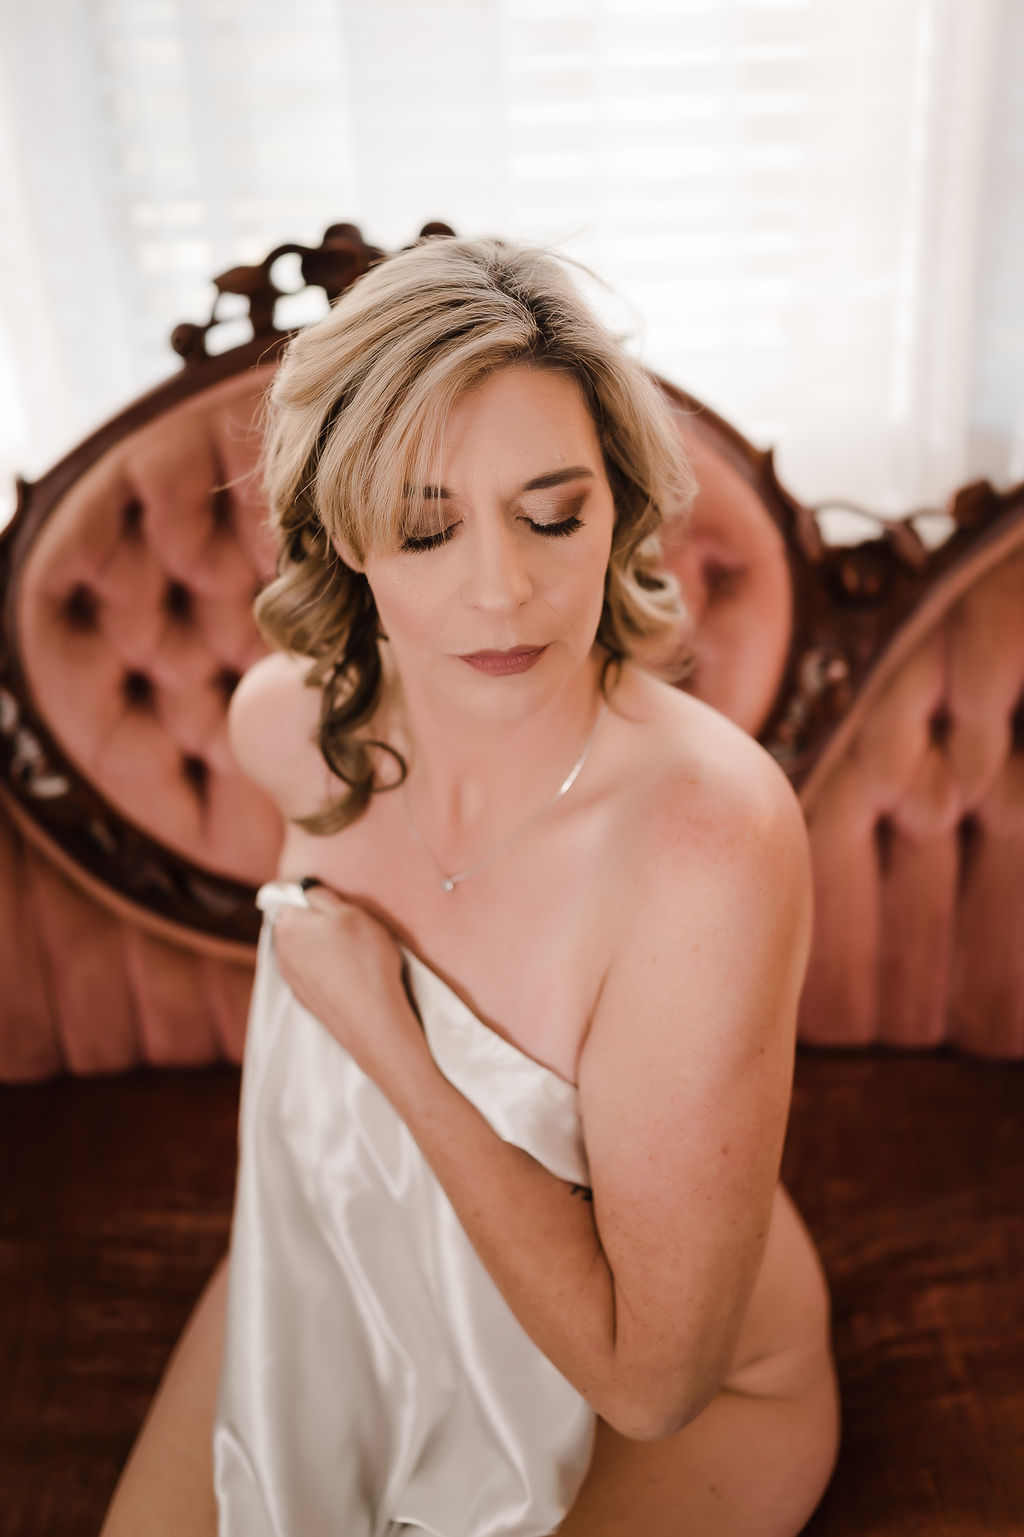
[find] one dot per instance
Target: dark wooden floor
(909, 1170)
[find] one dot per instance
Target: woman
(510, 1252)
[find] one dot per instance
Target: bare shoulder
(708, 782)
(272, 724)
(712, 836)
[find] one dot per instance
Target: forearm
(536, 1235)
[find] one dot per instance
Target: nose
(497, 577)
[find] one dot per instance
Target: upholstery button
(178, 600)
(969, 827)
(197, 772)
(940, 725)
(885, 832)
(226, 679)
(81, 607)
(138, 690)
(1017, 727)
(220, 507)
(131, 517)
(721, 578)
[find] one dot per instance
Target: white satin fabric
(374, 1380)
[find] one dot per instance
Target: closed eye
(428, 541)
(560, 530)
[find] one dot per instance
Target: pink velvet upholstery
(916, 817)
(730, 559)
(88, 988)
(134, 623)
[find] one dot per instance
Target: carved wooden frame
(848, 600)
(847, 603)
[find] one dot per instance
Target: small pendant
(447, 885)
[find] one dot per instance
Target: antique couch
(885, 676)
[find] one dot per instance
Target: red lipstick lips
(519, 659)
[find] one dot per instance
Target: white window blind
(813, 211)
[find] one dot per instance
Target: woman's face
(508, 549)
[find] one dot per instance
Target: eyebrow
(538, 483)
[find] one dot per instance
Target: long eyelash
(550, 531)
(427, 541)
(557, 530)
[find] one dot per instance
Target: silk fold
(375, 1381)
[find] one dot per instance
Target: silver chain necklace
(449, 882)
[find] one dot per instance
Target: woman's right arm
(167, 1483)
(166, 1489)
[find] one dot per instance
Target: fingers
(308, 892)
(323, 897)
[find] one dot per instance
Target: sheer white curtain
(813, 210)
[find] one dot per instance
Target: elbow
(650, 1415)
(645, 1419)
(646, 1422)
(646, 1428)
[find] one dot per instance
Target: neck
(472, 781)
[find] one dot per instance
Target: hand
(345, 967)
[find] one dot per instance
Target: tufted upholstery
(135, 623)
(916, 817)
(730, 559)
(132, 611)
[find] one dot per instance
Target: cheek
(406, 606)
(593, 566)
(578, 592)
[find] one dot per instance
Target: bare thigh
(747, 1466)
(166, 1489)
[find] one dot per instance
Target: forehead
(520, 417)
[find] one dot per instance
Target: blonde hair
(355, 413)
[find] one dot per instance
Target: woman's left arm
(638, 1294)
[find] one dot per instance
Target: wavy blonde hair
(355, 414)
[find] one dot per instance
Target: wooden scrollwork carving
(341, 257)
